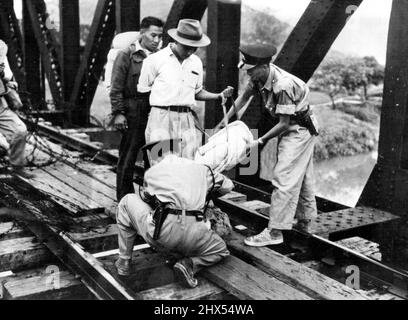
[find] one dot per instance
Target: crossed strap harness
(162, 209)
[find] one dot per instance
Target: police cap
(256, 54)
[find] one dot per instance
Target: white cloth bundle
(226, 148)
(120, 42)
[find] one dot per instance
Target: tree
(360, 73)
(344, 74)
(328, 78)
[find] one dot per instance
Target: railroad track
(71, 256)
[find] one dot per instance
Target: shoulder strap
(211, 190)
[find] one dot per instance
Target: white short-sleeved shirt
(171, 83)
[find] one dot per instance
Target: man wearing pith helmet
(174, 78)
(294, 128)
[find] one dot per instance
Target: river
(342, 179)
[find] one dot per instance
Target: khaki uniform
(292, 176)
(182, 184)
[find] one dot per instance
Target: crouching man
(168, 212)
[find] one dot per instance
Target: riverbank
(346, 131)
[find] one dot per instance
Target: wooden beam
(97, 239)
(249, 283)
(182, 9)
(11, 230)
(127, 15)
(69, 31)
(175, 291)
(313, 35)
(41, 284)
(23, 253)
(93, 61)
(48, 47)
(222, 54)
(32, 62)
(293, 273)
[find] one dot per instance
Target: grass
(316, 97)
(343, 134)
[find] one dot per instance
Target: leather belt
(174, 108)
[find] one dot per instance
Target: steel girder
(93, 61)
(127, 15)
(313, 35)
(70, 56)
(34, 76)
(222, 54)
(48, 46)
(387, 187)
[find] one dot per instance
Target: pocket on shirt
(192, 80)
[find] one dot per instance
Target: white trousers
(163, 124)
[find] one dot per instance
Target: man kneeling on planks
(168, 212)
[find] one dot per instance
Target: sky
(365, 34)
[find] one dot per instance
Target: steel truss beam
(32, 62)
(93, 60)
(48, 47)
(11, 34)
(127, 15)
(223, 53)
(69, 21)
(387, 187)
(313, 35)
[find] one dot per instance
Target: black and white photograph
(203, 156)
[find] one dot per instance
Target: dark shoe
(184, 273)
(303, 226)
(123, 267)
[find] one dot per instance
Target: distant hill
(256, 26)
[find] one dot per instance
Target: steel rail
(319, 246)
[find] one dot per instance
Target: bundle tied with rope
(226, 148)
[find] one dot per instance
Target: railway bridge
(76, 155)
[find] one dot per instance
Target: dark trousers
(132, 140)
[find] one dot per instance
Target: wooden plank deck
(249, 273)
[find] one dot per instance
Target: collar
(139, 47)
(270, 81)
(171, 53)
